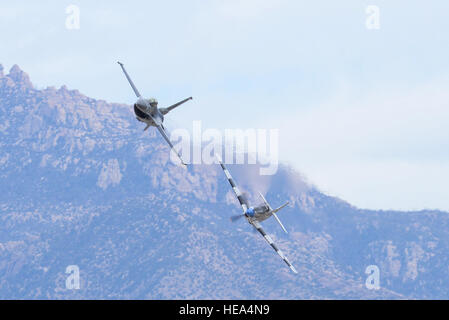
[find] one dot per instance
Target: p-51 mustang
(146, 111)
(254, 215)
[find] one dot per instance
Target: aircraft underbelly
(153, 120)
(139, 113)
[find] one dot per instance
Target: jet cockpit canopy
(152, 102)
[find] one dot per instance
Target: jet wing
(164, 111)
(236, 190)
(272, 244)
(164, 134)
(129, 79)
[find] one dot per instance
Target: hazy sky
(363, 113)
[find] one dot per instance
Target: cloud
(341, 93)
(377, 150)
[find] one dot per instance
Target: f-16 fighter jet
(254, 215)
(146, 111)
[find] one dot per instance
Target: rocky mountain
(81, 184)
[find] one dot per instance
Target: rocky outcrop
(81, 183)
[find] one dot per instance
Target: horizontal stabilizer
(281, 207)
(274, 211)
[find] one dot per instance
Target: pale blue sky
(363, 114)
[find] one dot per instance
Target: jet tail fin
(164, 111)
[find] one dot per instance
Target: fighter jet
(254, 215)
(146, 111)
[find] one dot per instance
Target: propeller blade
(245, 197)
(236, 217)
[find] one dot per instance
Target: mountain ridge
(83, 185)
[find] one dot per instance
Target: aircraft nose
(250, 211)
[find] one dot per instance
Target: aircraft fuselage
(261, 213)
(147, 113)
